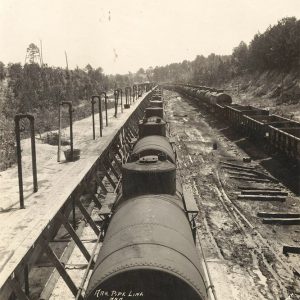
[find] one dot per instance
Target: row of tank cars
(149, 249)
(275, 133)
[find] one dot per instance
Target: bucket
(76, 154)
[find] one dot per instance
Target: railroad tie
(258, 188)
(280, 218)
(250, 179)
(278, 215)
(290, 249)
(263, 192)
(262, 197)
(282, 221)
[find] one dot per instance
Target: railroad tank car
(148, 175)
(156, 103)
(154, 112)
(152, 126)
(156, 97)
(153, 145)
(147, 254)
(220, 98)
(208, 95)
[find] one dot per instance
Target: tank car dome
(153, 145)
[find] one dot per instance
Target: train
(276, 134)
(149, 248)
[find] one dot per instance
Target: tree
(33, 54)
(240, 57)
(2, 70)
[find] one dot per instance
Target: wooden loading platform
(26, 233)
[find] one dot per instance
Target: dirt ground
(244, 256)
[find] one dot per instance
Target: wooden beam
(74, 236)
(17, 290)
(60, 268)
(88, 217)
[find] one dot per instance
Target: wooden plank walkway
(21, 228)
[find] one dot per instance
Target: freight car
(149, 250)
(154, 112)
(275, 133)
(152, 126)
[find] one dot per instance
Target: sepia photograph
(149, 150)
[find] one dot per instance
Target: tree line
(278, 48)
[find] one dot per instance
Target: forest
(38, 89)
(278, 48)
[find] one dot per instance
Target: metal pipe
(69, 103)
(59, 133)
(134, 92)
(33, 154)
(130, 94)
(19, 158)
(116, 94)
(121, 91)
(105, 105)
(100, 112)
(93, 117)
(126, 95)
(100, 115)
(71, 130)
(17, 119)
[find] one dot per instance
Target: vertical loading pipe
(126, 96)
(69, 103)
(116, 94)
(121, 91)
(59, 133)
(105, 106)
(100, 112)
(18, 117)
(93, 117)
(130, 94)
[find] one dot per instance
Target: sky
(124, 35)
